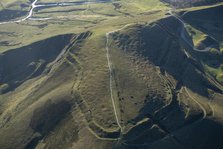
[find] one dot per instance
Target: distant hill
(189, 3)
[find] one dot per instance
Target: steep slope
(44, 103)
(209, 23)
(18, 65)
(160, 78)
(144, 85)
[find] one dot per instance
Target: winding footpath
(111, 75)
(183, 36)
(199, 104)
(33, 6)
(111, 80)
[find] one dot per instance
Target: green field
(57, 88)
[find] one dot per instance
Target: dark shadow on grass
(208, 21)
(21, 64)
(8, 14)
(161, 45)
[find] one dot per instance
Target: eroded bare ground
(60, 96)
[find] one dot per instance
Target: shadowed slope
(18, 65)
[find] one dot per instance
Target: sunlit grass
(216, 72)
(197, 36)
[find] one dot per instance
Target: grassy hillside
(142, 52)
(208, 22)
(57, 90)
(17, 71)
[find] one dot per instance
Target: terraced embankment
(178, 72)
(141, 86)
